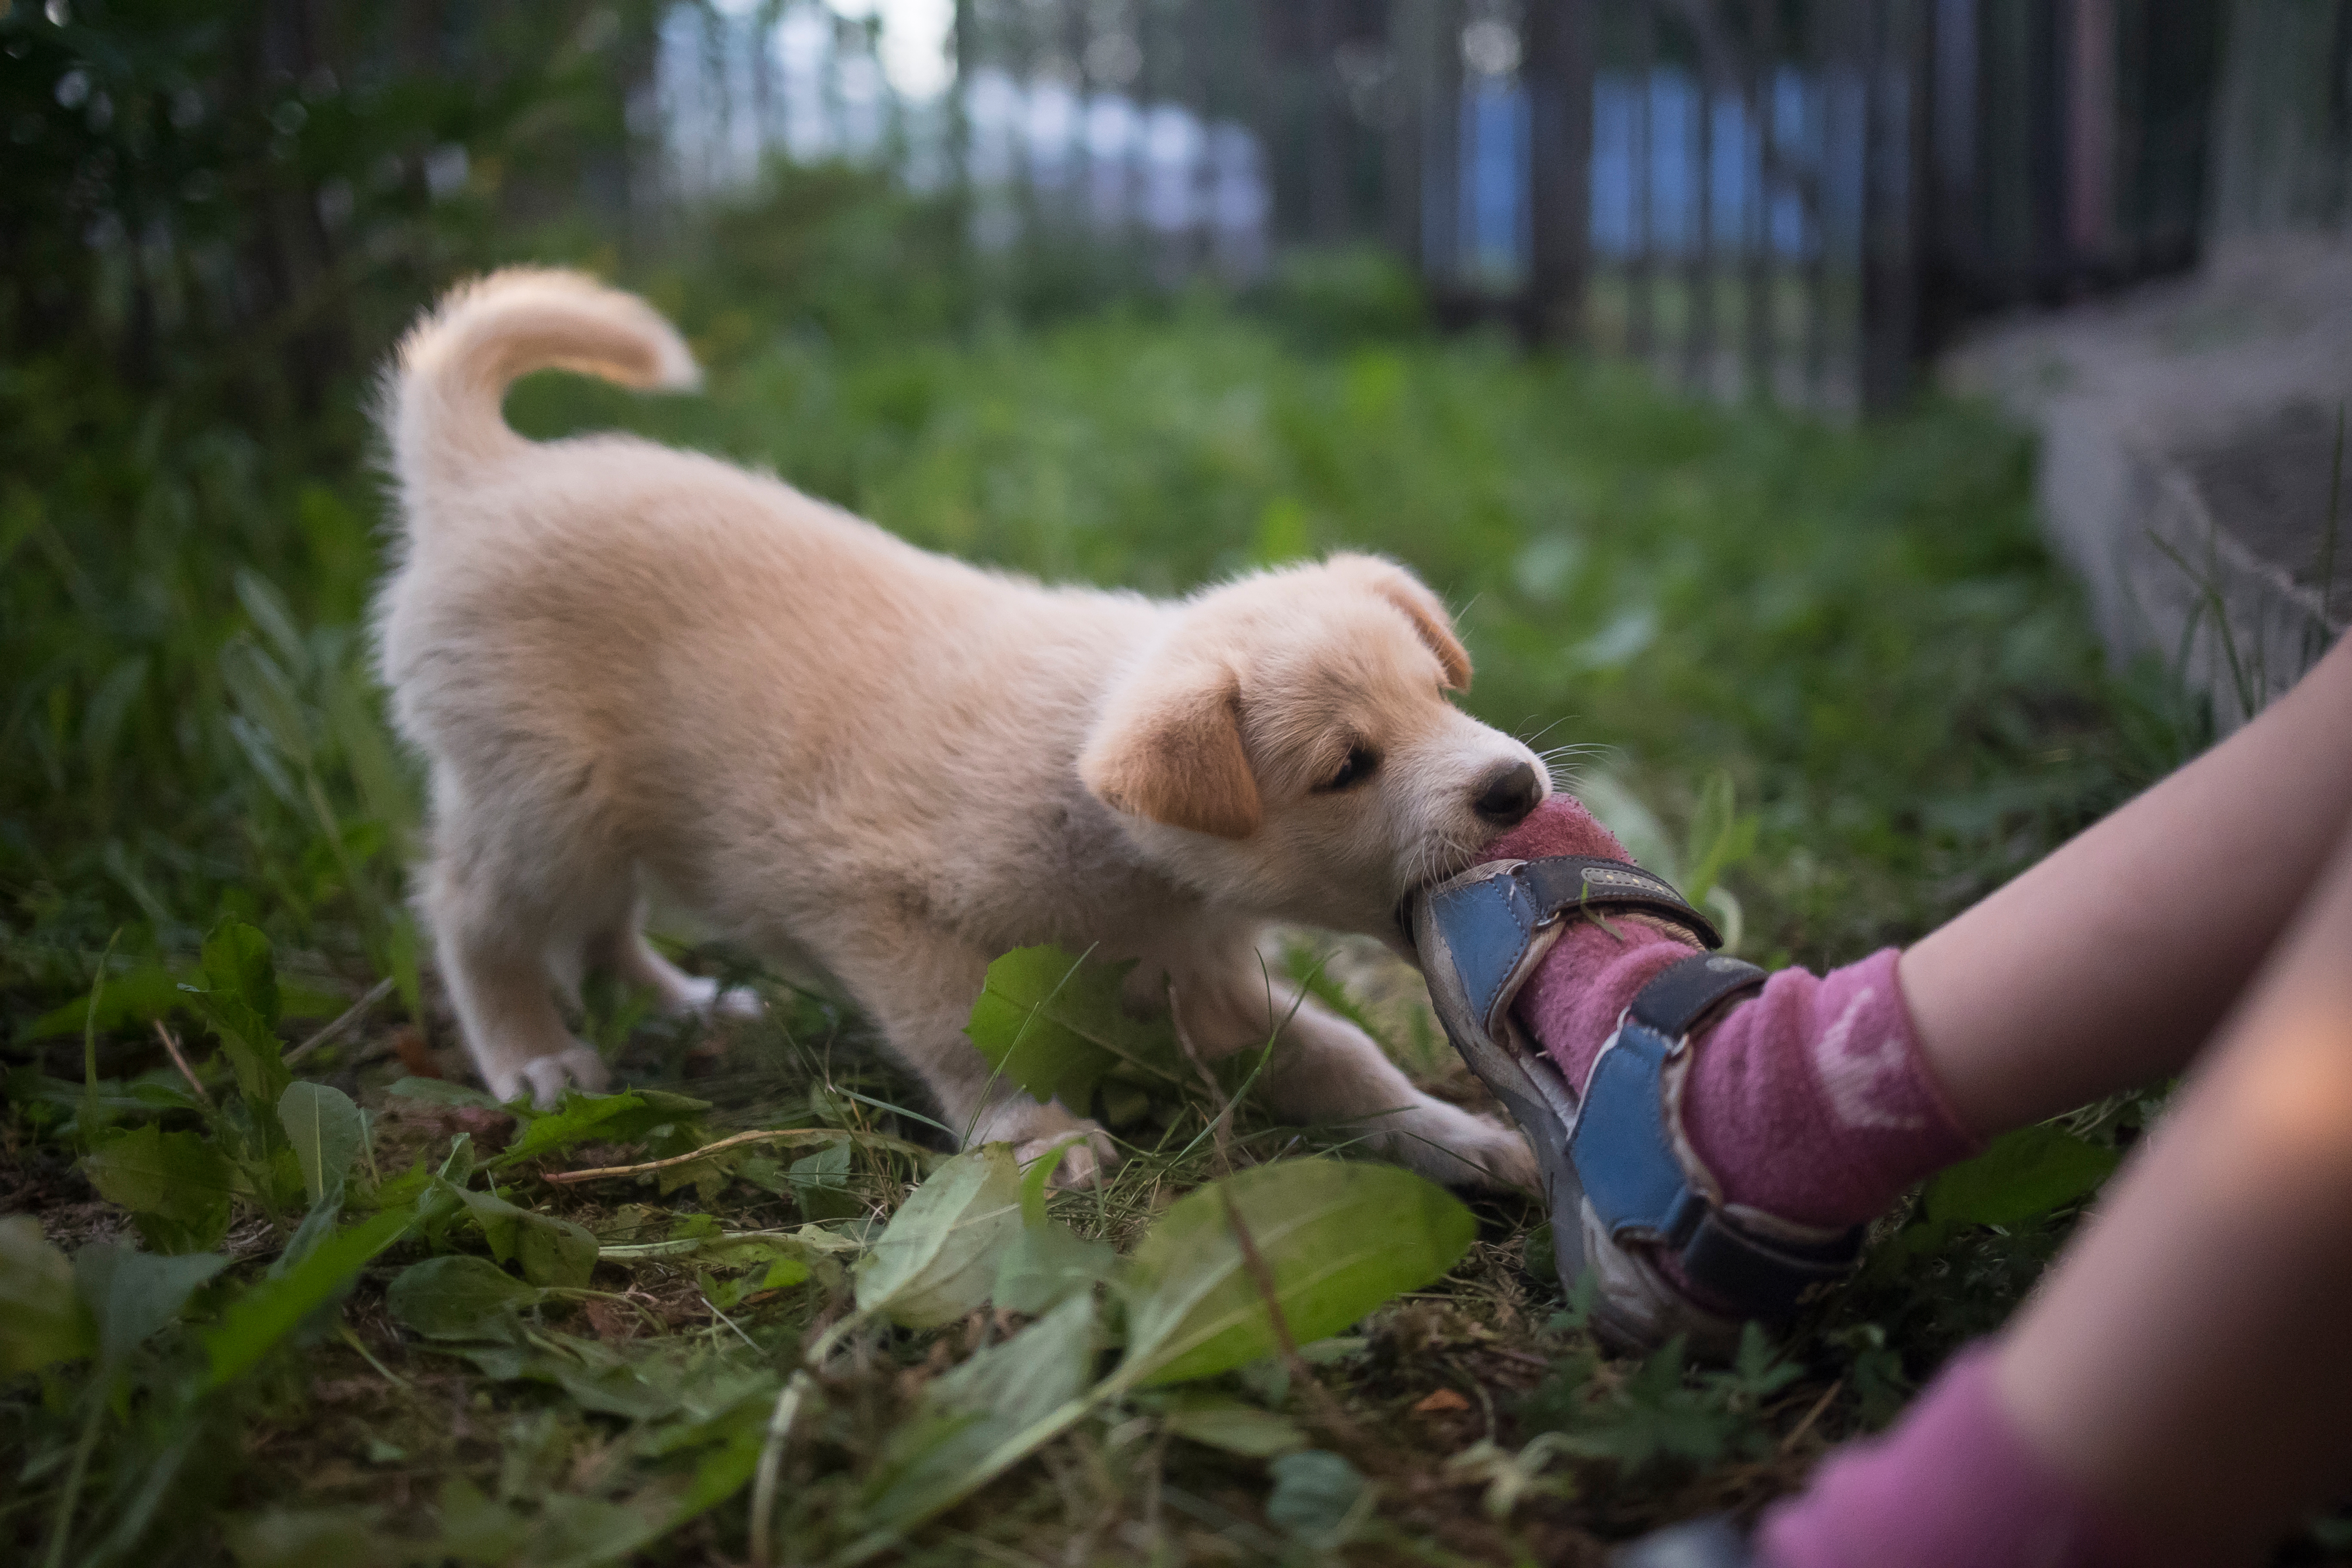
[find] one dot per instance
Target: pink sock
(1808, 1100)
(1953, 1485)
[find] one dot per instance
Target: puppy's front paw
(1460, 1150)
(549, 1076)
(1034, 1130)
(738, 1001)
(1091, 1157)
(702, 997)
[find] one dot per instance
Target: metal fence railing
(1793, 198)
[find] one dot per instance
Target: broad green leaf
(458, 1298)
(600, 1118)
(175, 1184)
(256, 1321)
(308, 1537)
(1047, 1264)
(144, 991)
(441, 1091)
(323, 1126)
(150, 1093)
(2023, 1175)
(551, 1251)
(255, 1054)
(938, 1257)
(41, 1318)
(132, 1294)
(1337, 1237)
(315, 1227)
(967, 1416)
(475, 1530)
(1228, 1423)
(820, 1184)
(1315, 1496)
(237, 965)
(1054, 1024)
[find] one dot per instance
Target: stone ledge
(2187, 436)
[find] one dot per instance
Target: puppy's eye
(1361, 762)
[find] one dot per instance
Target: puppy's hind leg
(623, 949)
(493, 958)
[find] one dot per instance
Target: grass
(1832, 668)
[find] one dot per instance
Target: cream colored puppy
(628, 663)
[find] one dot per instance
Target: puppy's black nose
(1508, 794)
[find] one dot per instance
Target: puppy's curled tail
(442, 411)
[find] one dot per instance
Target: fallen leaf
(611, 1320)
(408, 1045)
(1439, 1402)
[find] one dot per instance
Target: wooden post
(1756, 311)
(1698, 343)
(1327, 149)
(1896, 144)
(1639, 322)
(1411, 39)
(1441, 150)
(1559, 76)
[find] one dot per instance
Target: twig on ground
(782, 1135)
(1797, 1435)
(1326, 1411)
(172, 1047)
(350, 1015)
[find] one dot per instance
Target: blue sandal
(1624, 1185)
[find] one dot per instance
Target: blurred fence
(1796, 197)
(1790, 198)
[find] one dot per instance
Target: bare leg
(2108, 964)
(2190, 1359)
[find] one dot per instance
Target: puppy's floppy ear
(1424, 609)
(1169, 747)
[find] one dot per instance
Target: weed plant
(294, 1303)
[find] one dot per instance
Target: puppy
(630, 665)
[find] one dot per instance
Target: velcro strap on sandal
(1559, 883)
(1643, 1182)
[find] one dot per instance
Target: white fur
(629, 663)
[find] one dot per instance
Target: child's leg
(2192, 1358)
(2175, 1393)
(2108, 963)
(1818, 1100)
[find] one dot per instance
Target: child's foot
(1739, 1128)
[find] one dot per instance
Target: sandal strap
(1502, 916)
(1644, 1182)
(1561, 884)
